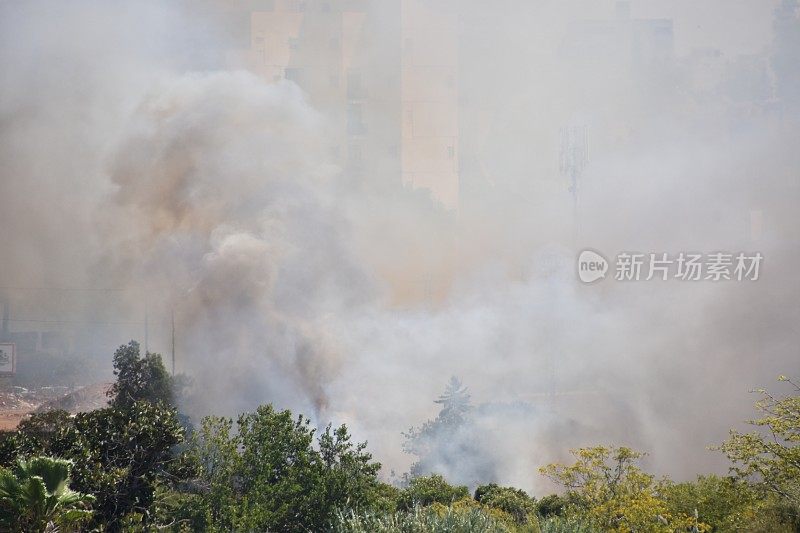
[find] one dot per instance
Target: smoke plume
(138, 166)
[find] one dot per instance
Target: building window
(294, 43)
(293, 74)
(355, 123)
(451, 152)
(355, 87)
(354, 155)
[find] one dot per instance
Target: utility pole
(6, 317)
(573, 157)
(146, 331)
(173, 342)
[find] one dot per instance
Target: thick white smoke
(132, 159)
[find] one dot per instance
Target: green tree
(614, 493)
(425, 490)
(515, 502)
(455, 400)
(119, 455)
(269, 476)
(349, 475)
(771, 457)
(35, 496)
(452, 444)
(724, 503)
(140, 378)
(32, 436)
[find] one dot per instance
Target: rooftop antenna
(573, 157)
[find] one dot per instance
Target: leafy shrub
(35, 497)
(551, 505)
(425, 490)
(515, 502)
(32, 436)
(268, 476)
(120, 454)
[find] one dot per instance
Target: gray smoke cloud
(132, 158)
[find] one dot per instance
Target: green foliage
(725, 504)
(32, 436)
(119, 454)
(269, 476)
(515, 502)
(614, 493)
(567, 524)
(139, 378)
(425, 490)
(385, 498)
(455, 400)
(448, 519)
(175, 510)
(552, 505)
(35, 496)
(771, 460)
(271, 471)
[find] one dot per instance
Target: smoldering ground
(133, 158)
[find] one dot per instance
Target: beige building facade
(386, 72)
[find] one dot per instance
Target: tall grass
(449, 520)
(557, 524)
(420, 520)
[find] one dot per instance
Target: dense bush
(272, 471)
(515, 502)
(269, 476)
(35, 496)
(118, 454)
(551, 505)
(425, 490)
